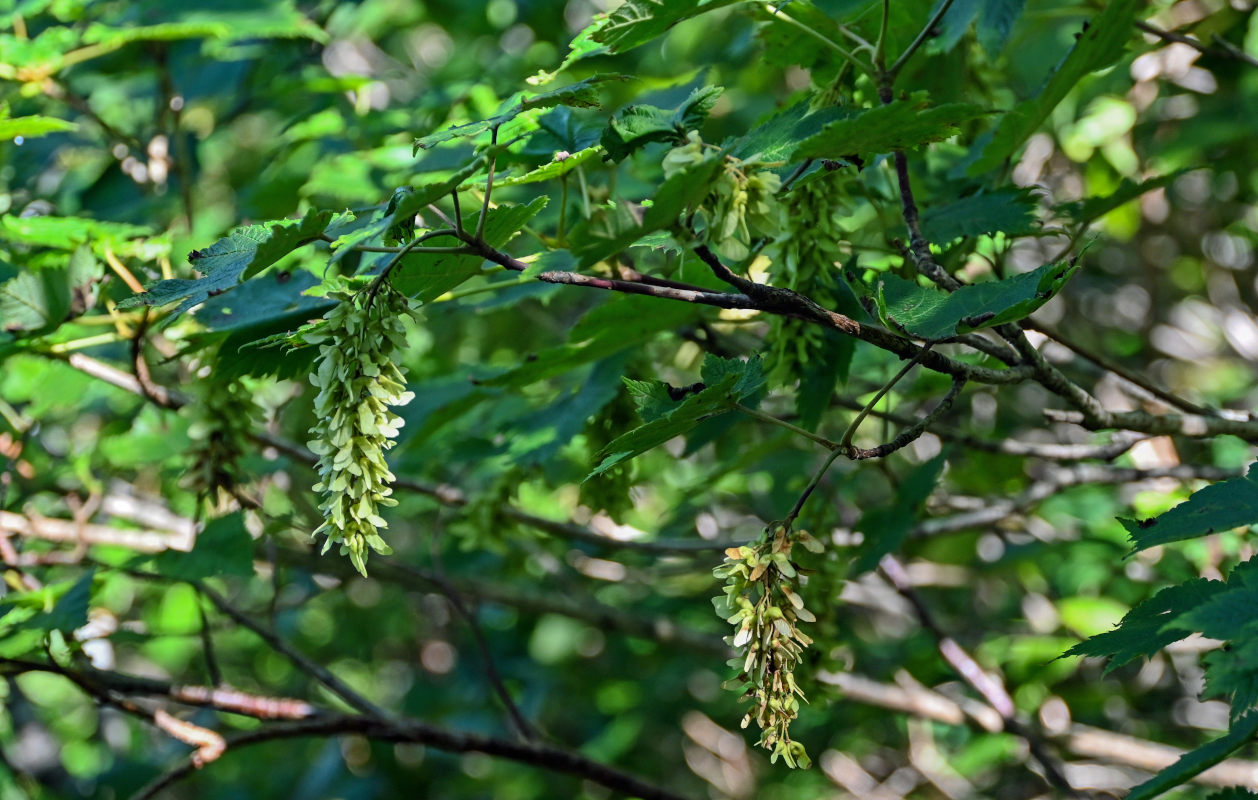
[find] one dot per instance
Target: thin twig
(916, 43)
(991, 689)
(846, 441)
(1224, 48)
(301, 661)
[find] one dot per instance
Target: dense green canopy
(511, 399)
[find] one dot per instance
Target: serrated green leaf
(1007, 211)
(637, 22)
(34, 302)
(553, 169)
(1226, 613)
(776, 138)
(581, 94)
(426, 276)
(1098, 46)
(728, 381)
(636, 126)
(1147, 627)
(1215, 508)
(582, 46)
(224, 547)
(1232, 674)
(1194, 762)
(684, 190)
(242, 253)
(931, 314)
(900, 125)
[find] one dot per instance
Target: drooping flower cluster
(741, 203)
(358, 382)
(762, 602)
(220, 419)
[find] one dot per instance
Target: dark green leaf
(1196, 761)
(637, 22)
(242, 253)
(223, 548)
(900, 125)
(776, 138)
(427, 276)
(734, 380)
(1216, 508)
(929, 313)
(1008, 211)
(635, 127)
(995, 21)
(682, 191)
(1147, 628)
(1099, 45)
(70, 612)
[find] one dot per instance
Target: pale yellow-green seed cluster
(805, 261)
(763, 604)
(220, 419)
(358, 382)
(741, 203)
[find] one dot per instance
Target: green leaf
(1148, 627)
(224, 547)
(1232, 673)
(582, 46)
(427, 276)
(900, 125)
(32, 126)
(776, 138)
(734, 380)
(995, 21)
(66, 233)
(931, 314)
(637, 22)
(636, 126)
(242, 253)
(552, 169)
(34, 302)
(682, 191)
(1216, 508)
(70, 611)
(1226, 614)
(1008, 211)
(1196, 761)
(581, 94)
(1100, 45)
(1093, 208)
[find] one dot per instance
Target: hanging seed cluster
(358, 382)
(762, 602)
(220, 419)
(805, 262)
(741, 204)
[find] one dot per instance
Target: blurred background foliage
(185, 124)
